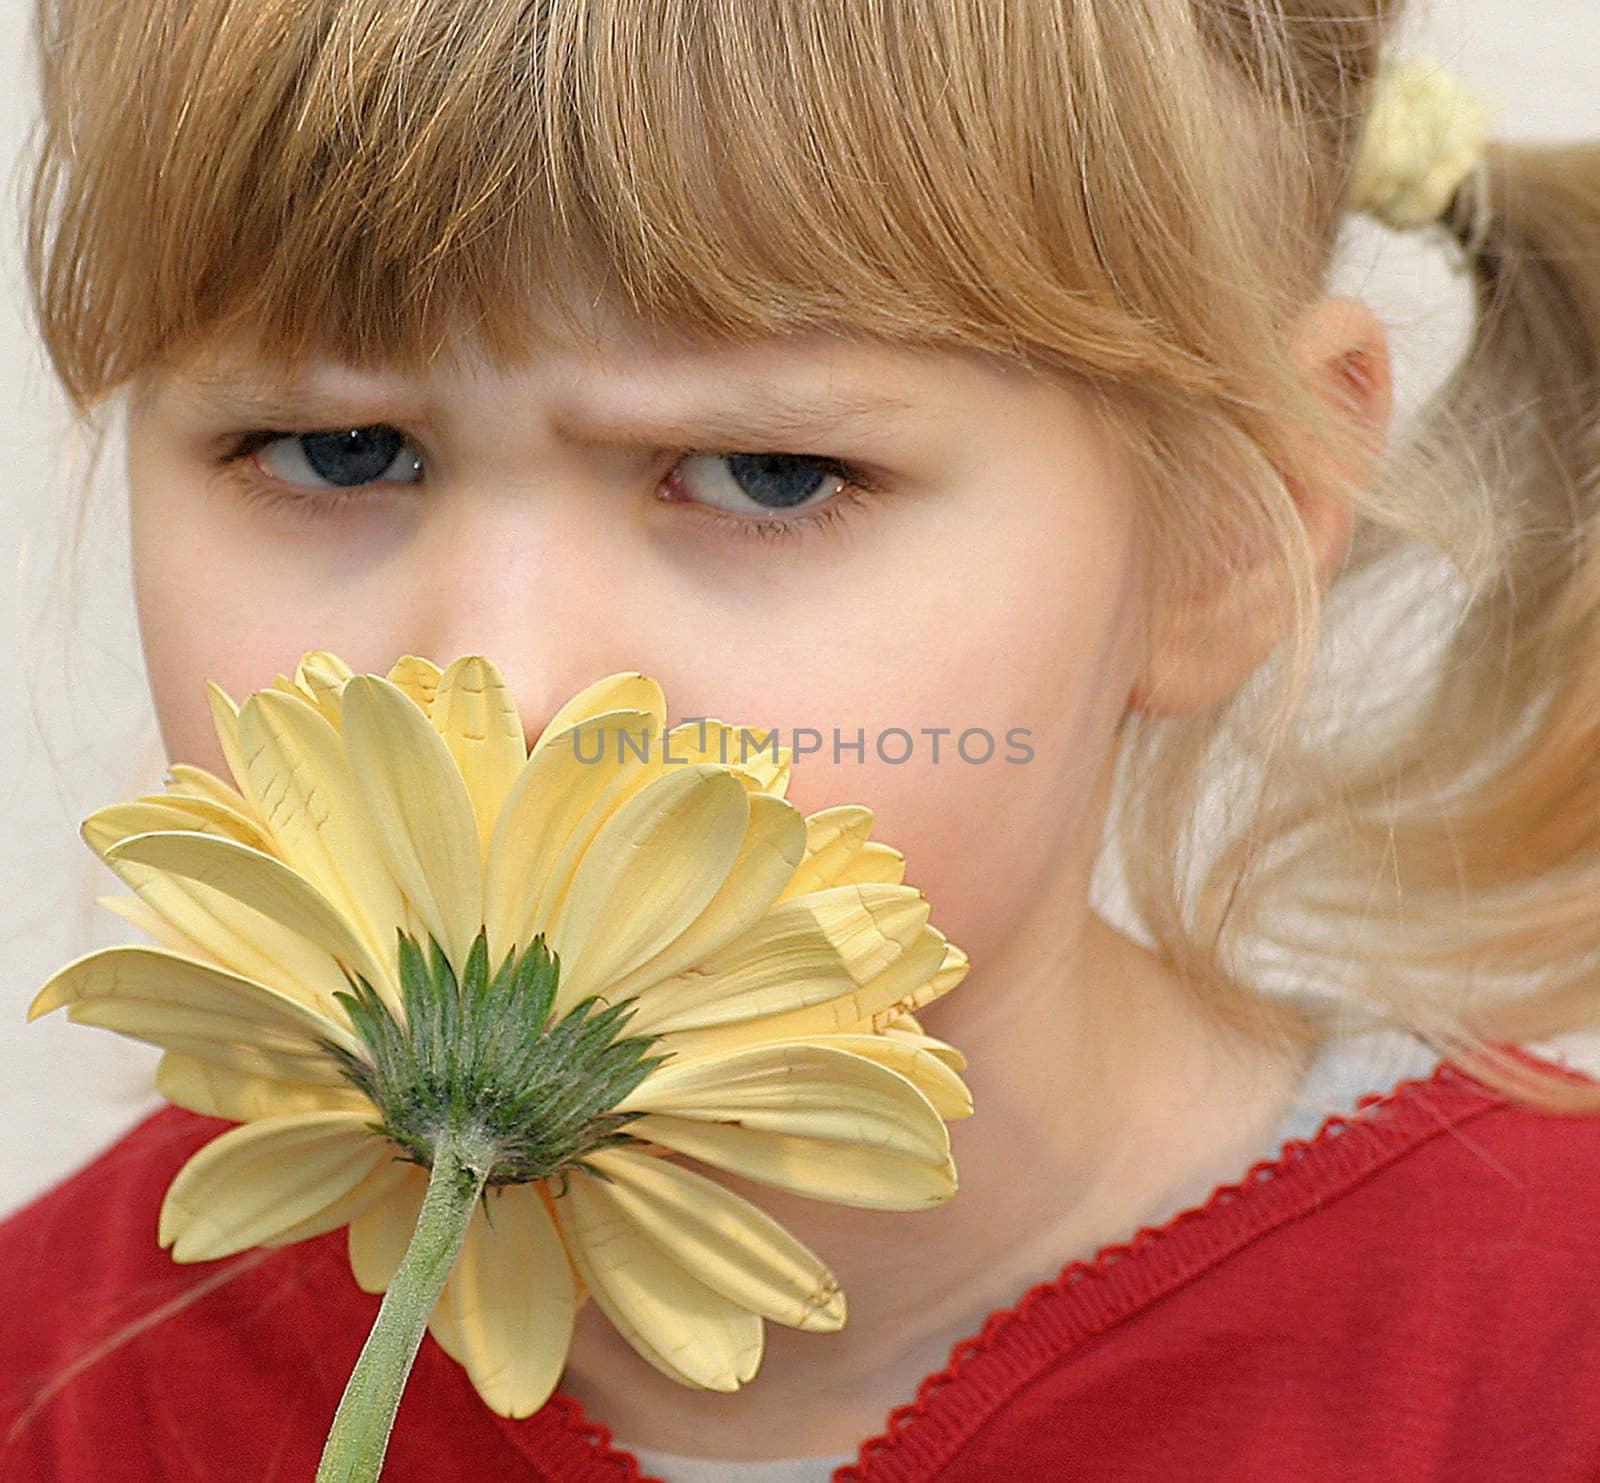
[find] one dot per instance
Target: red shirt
(1413, 1294)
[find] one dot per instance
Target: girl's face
(945, 546)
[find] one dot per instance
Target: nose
(526, 576)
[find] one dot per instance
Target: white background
(76, 732)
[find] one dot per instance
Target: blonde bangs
(371, 178)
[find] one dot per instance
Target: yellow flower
(401, 916)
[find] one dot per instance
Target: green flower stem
(360, 1436)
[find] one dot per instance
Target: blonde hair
(1078, 187)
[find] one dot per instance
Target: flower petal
(380, 1234)
(751, 750)
(238, 1054)
(627, 690)
(417, 679)
(652, 869)
(189, 781)
(909, 980)
(476, 714)
(207, 1026)
(239, 1097)
(226, 931)
(724, 1241)
(690, 1333)
(301, 786)
(225, 721)
(149, 921)
(155, 991)
(765, 761)
(952, 969)
(321, 676)
(108, 826)
(378, 1239)
(803, 951)
(512, 1302)
(906, 1030)
(844, 1174)
(808, 1091)
(951, 972)
(442, 1325)
(772, 846)
(927, 1072)
(569, 786)
(258, 1180)
(227, 1039)
(417, 803)
(221, 818)
(372, 1190)
(573, 784)
(262, 883)
(838, 852)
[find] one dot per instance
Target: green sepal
(480, 1053)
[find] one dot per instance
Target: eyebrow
(242, 397)
(768, 414)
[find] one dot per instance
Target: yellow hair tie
(1425, 134)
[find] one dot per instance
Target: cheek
(182, 628)
(1036, 673)
(993, 829)
(212, 604)
(225, 597)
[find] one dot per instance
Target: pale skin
(992, 580)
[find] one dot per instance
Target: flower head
(398, 930)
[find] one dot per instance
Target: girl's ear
(1203, 646)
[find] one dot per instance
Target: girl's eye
(745, 494)
(758, 483)
(346, 459)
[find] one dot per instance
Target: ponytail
(1479, 855)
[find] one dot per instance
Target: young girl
(942, 370)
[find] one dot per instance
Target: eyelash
(260, 489)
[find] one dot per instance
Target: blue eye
(752, 483)
(763, 496)
(343, 459)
